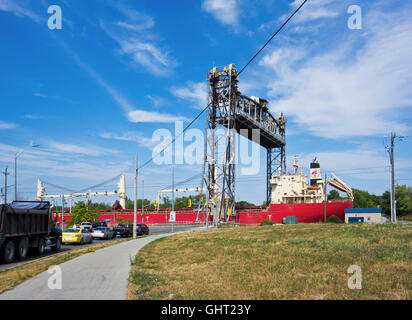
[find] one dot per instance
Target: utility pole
(142, 200)
(326, 197)
(62, 212)
(135, 201)
(391, 151)
(393, 136)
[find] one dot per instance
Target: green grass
(304, 261)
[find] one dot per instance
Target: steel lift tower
(238, 114)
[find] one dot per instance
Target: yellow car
(74, 235)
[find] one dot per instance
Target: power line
(273, 36)
(184, 130)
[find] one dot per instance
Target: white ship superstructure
(294, 188)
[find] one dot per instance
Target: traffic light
(155, 203)
(189, 202)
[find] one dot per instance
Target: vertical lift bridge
(238, 114)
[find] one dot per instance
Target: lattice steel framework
(276, 160)
(236, 114)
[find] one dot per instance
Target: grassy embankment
(305, 261)
(14, 276)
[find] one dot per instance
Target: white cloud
(7, 125)
(135, 38)
(50, 163)
(136, 20)
(195, 92)
(225, 11)
(157, 101)
(356, 90)
(78, 149)
(131, 137)
(19, 11)
(33, 117)
(314, 10)
(41, 95)
(147, 54)
(149, 116)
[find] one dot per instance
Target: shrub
(267, 223)
(334, 219)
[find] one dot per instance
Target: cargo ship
(296, 199)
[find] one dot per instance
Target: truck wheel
(22, 248)
(40, 247)
(57, 246)
(7, 252)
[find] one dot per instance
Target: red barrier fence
(306, 212)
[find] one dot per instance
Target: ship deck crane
(341, 186)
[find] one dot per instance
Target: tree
(403, 201)
(242, 204)
(363, 199)
(147, 204)
(333, 194)
(385, 202)
(99, 206)
(81, 214)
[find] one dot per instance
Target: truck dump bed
(25, 218)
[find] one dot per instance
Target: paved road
(67, 247)
(100, 275)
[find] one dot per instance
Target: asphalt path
(99, 275)
(68, 247)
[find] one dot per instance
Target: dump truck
(27, 226)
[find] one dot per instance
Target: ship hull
(306, 212)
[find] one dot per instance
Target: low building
(363, 215)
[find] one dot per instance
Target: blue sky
(92, 94)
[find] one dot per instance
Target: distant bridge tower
(238, 114)
(122, 190)
(40, 190)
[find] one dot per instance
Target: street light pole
(5, 185)
(173, 197)
(16, 155)
(135, 201)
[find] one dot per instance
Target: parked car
(86, 226)
(99, 224)
(142, 229)
(103, 233)
(124, 229)
(80, 236)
